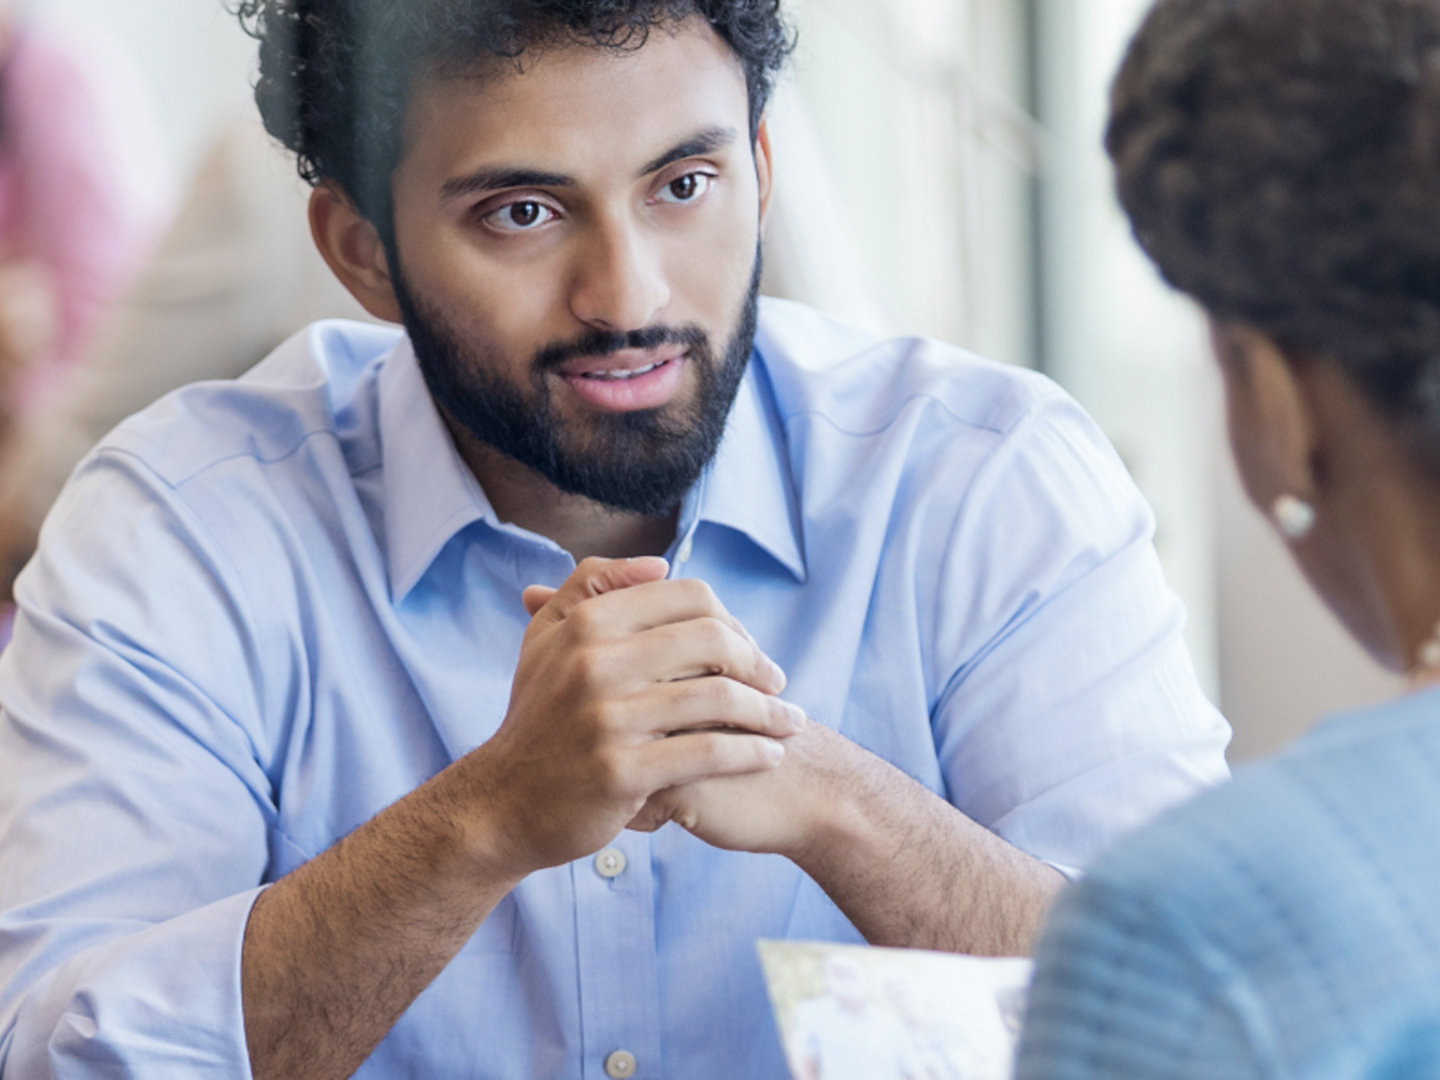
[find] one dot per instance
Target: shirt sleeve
(135, 818)
(1070, 711)
(1122, 990)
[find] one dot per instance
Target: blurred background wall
(1136, 355)
(192, 51)
(939, 171)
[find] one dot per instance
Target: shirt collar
(430, 494)
(749, 487)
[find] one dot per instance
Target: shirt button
(610, 863)
(686, 549)
(620, 1064)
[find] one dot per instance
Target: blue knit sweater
(1286, 925)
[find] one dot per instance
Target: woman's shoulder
(1305, 889)
(1285, 920)
(1362, 788)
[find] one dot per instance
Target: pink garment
(85, 183)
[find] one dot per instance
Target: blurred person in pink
(85, 190)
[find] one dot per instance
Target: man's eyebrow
(485, 180)
(707, 142)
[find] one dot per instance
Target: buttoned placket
(615, 925)
(618, 966)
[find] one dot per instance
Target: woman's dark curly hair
(1280, 162)
(336, 75)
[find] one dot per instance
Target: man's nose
(619, 284)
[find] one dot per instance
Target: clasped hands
(637, 701)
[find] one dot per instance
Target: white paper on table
(850, 1012)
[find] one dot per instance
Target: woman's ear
(352, 248)
(1273, 428)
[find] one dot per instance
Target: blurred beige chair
(235, 276)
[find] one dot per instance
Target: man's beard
(641, 462)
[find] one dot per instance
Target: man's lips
(626, 364)
(626, 381)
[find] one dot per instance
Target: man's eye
(686, 188)
(520, 216)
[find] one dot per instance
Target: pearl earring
(1429, 654)
(1294, 517)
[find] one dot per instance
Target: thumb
(593, 577)
(660, 809)
(536, 597)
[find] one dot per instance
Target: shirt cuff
(161, 1002)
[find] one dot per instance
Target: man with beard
(334, 691)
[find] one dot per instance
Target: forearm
(337, 951)
(906, 867)
(909, 870)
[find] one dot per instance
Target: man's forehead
(570, 102)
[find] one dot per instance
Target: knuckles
(700, 597)
(716, 641)
(586, 622)
(608, 718)
(715, 698)
(706, 750)
(591, 670)
(615, 778)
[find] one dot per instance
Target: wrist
(478, 832)
(835, 818)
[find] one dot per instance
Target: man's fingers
(703, 755)
(660, 809)
(663, 603)
(695, 649)
(622, 598)
(720, 703)
(602, 576)
(592, 578)
(536, 597)
(670, 604)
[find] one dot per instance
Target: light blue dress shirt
(1285, 926)
(264, 610)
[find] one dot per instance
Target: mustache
(599, 343)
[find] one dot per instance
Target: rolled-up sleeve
(1071, 712)
(135, 818)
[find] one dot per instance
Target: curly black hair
(1280, 162)
(336, 75)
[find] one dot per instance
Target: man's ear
(1273, 428)
(351, 247)
(762, 166)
